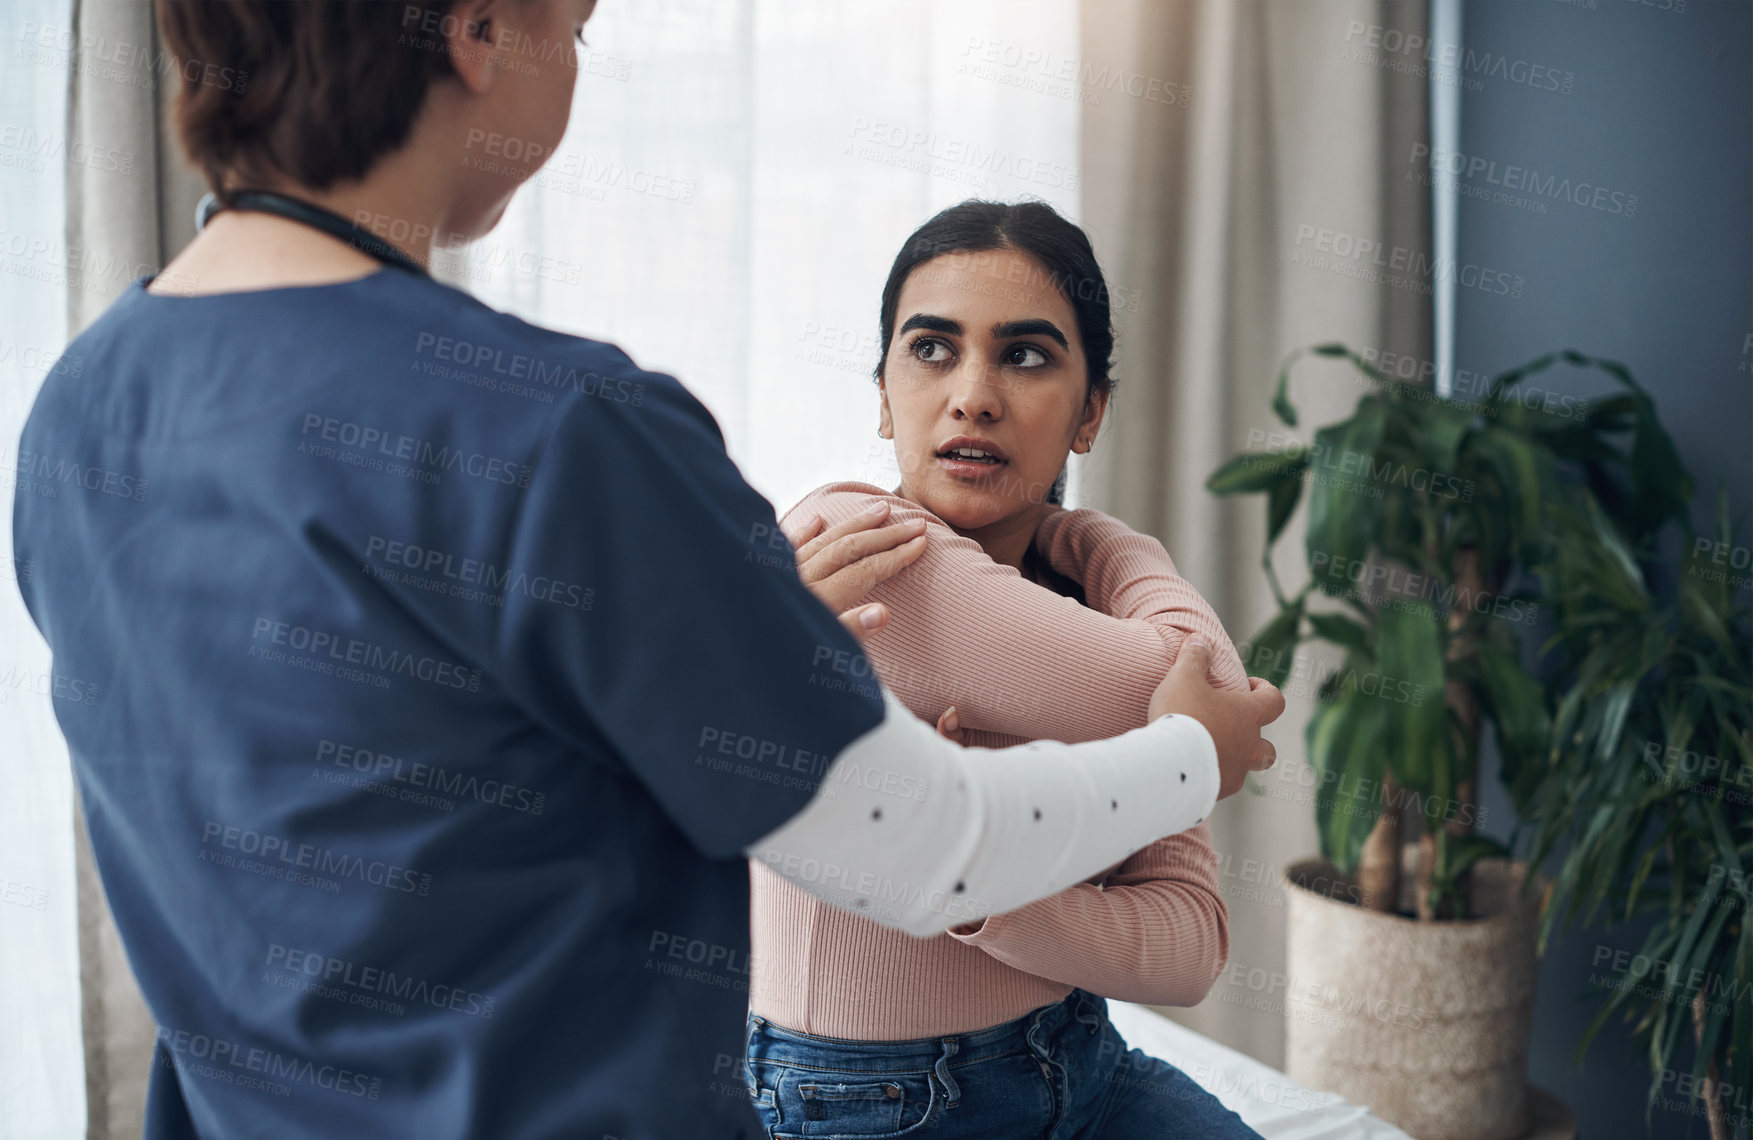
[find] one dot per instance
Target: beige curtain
(1257, 125)
(124, 224)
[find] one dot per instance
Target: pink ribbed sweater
(1020, 663)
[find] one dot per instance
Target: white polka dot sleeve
(920, 834)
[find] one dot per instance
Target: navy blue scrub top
(424, 673)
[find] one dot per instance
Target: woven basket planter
(1424, 1022)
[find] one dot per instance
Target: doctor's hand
(843, 563)
(1233, 719)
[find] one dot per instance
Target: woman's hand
(949, 726)
(843, 563)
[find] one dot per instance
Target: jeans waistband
(768, 1041)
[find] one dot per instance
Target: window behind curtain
(737, 177)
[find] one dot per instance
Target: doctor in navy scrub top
(442, 670)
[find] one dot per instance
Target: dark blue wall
(1660, 106)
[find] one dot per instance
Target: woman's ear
(885, 422)
(1094, 408)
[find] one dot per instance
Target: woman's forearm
(1157, 932)
(1018, 659)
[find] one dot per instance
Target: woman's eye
(1024, 356)
(931, 351)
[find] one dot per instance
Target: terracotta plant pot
(1425, 1022)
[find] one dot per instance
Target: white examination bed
(1271, 1103)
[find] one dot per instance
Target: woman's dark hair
(1034, 228)
(313, 90)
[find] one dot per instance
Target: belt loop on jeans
(1035, 1035)
(942, 1068)
(756, 1024)
(1087, 1011)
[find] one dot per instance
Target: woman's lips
(970, 470)
(970, 459)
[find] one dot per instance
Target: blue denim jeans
(1061, 1072)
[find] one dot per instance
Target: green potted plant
(1427, 523)
(1645, 795)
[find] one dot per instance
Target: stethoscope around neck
(297, 210)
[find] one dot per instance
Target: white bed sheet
(1271, 1103)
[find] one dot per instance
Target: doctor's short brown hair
(312, 90)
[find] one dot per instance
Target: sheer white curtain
(42, 1088)
(737, 177)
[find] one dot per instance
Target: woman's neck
(1008, 539)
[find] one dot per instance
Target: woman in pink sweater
(1015, 620)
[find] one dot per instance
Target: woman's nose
(978, 393)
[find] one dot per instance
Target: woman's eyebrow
(935, 324)
(1033, 327)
